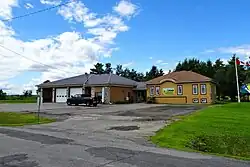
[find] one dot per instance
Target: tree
(3, 95)
(108, 68)
(126, 73)
(98, 69)
(153, 73)
(27, 93)
(224, 75)
(230, 77)
(119, 70)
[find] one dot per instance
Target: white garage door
(74, 91)
(61, 95)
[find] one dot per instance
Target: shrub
(151, 100)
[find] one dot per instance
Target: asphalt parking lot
(109, 135)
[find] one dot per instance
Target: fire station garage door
(74, 91)
(61, 95)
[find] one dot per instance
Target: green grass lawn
(17, 101)
(218, 129)
(20, 119)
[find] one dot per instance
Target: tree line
(107, 68)
(222, 73)
(4, 96)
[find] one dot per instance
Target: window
(195, 89)
(203, 89)
(179, 89)
(157, 90)
(152, 91)
(203, 100)
(195, 100)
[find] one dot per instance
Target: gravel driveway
(90, 137)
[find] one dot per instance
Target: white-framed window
(195, 100)
(203, 100)
(152, 91)
(179, 90)
(203, 89)
(157, 90)
(195, 89)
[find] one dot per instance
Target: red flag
(238, 62)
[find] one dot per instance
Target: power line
(39, 11)
(4, 47)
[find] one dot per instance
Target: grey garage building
(109, 87)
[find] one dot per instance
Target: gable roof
(92, 79)
(180, 77)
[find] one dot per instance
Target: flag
(238, 62)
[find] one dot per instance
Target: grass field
(17, 101)
(218, 129)
(19, 119)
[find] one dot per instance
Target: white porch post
(92, 92)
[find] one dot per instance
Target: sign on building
(168, 91)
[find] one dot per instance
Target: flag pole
(237, 78)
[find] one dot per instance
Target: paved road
(85, 140)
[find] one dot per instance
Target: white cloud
(51, 2)
(242, 51)
(208, 51)
(150, 58)
(66, 54)
(126, 8)
(6, 8)
(28, 6)
(104, 28)
(159, 61)
(127, 64)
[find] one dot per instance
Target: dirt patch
(125, 128)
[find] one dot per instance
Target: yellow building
(183, 87)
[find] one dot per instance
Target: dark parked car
(82, 99)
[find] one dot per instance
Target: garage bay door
(74, 91)
(61, 95)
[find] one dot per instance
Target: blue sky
(158, 33)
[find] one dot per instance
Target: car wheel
(68, 103)
(95, 104)
(88, 103)
(76, 104)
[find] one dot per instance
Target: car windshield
(77, 95)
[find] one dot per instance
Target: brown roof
(180, 77)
